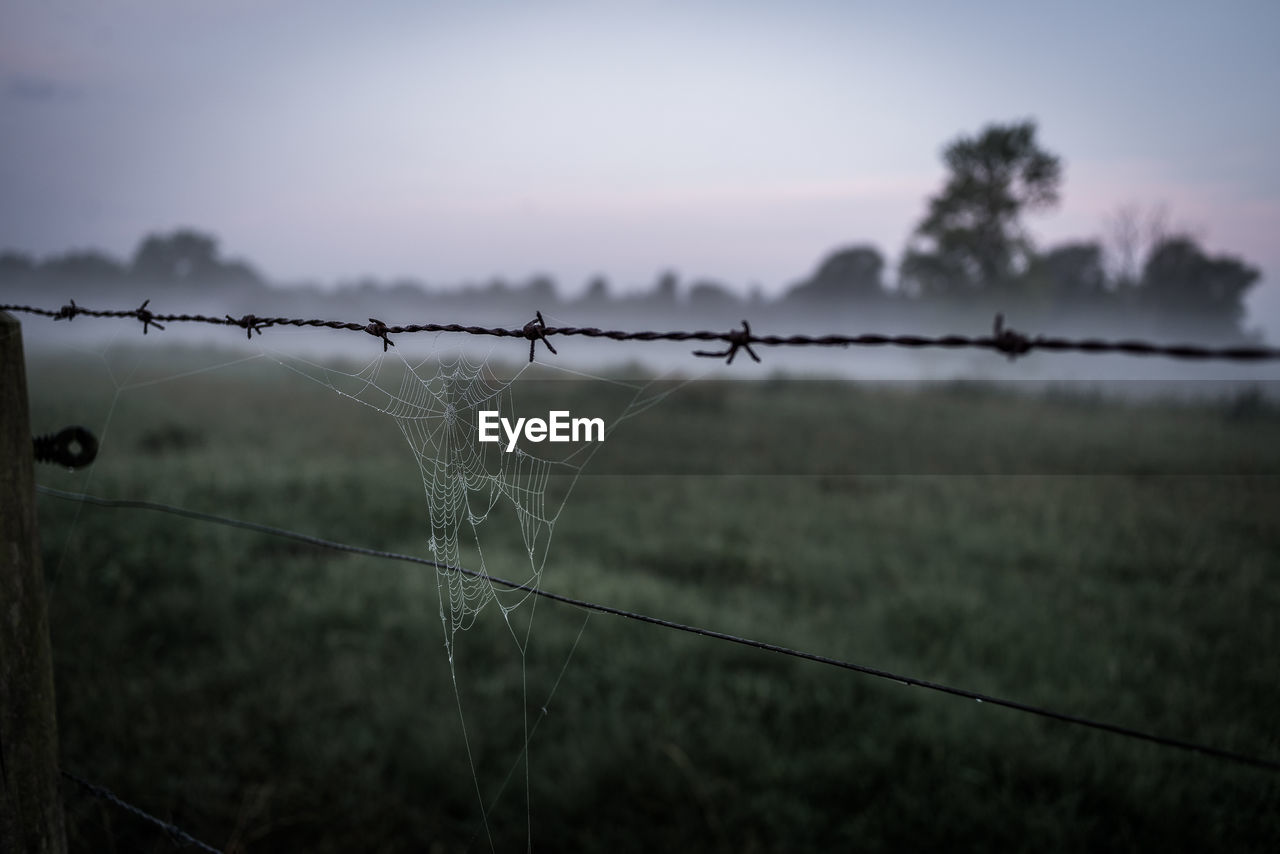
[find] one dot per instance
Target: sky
(740, 141)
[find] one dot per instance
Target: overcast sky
(737, 140)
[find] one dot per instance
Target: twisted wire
(1002, 339)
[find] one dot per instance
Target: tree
(665, 291)
(83, 267)
(853, 273)
(1180, 281)
(182, 255)
(187, 255)
(1133, 235)
(710, 295)
(540, 291)
(972, 238)
(16, 268)
(597, 291)
(238, 273)
(1070, 273)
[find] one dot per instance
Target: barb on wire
(378, 329)
(68, 312)
(910, 681)
(249, 323)
(738, 339)
(147, 317)
(536, 330)
(1012, 344)
(177, 834)
(1003, 339)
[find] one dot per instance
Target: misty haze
(968, 259)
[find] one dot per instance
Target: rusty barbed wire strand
(177, 834)
(1002, 340)
(909, 681)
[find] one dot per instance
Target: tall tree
(972, 238)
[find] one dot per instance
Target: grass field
(1107, 559)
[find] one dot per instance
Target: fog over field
(401, 306)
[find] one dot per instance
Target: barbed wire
(910, 681)
(1003, 339)
(177, 834)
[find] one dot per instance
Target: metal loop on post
(74, 447)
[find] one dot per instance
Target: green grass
(1112, 560)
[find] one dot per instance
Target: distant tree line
(972, 248)
(971, 251)
(182, 258)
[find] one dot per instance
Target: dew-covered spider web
(436, 404)
(490, 511)
(465, 479)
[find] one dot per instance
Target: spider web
(473, 488)
(464, 480)
(436, 405)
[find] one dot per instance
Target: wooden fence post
(30, 799)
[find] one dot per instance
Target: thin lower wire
(910, 681)
(175, 832)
